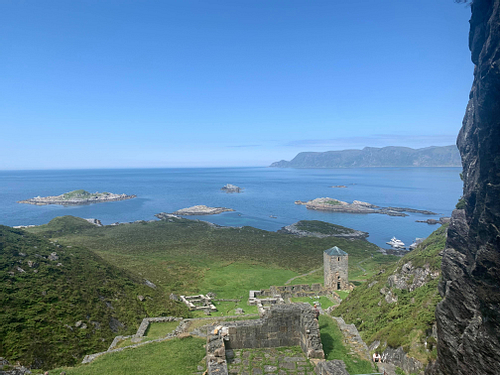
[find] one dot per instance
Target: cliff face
(468, 318)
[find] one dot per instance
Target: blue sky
(105, 84)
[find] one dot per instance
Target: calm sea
(268, 192)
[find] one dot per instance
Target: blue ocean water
(268, 192)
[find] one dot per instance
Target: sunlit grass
(157, 330)
(324, 301)
(171, 357)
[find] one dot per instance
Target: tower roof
(335, 251)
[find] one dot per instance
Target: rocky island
(202, 210)
(357, 207)
(229, 188)
(321, 229)
(77, 197)
(442, 220)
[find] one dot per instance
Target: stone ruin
(336, 264)
(263, 304)
(287, 291)
(276, 295)
(199, 302)
(301, 290)
(281, 325)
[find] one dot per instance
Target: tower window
(338, 259)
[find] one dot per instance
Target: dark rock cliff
(468, 318)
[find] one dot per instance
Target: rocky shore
(202, 210)
(357, 207)
(77, 197)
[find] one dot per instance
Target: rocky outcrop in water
(77, 197)
(357, 207)
(442, 220)
(468, 318)
(229, 188)
(202, 210)
(300, 229)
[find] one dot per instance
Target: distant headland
(77, 197)
(371, 157)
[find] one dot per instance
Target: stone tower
(336, 262)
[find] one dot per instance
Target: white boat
(394, 242)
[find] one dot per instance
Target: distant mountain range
(391, 156)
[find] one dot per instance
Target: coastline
(268, 192)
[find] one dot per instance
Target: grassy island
(77, 197)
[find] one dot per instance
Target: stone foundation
(290, 291)
(198, 302)
(281, 325)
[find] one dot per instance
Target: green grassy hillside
(104, 269)
(190, 256)
(43, 299)
(407, 322)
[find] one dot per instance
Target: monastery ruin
(336, 264)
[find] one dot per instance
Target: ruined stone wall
(336, 271)
(216, 354)
(282, 325)
(300, 290)
(335, 367)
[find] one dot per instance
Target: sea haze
(268, 192)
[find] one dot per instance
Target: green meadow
(109, 269)
(171, 357)
(184, 256)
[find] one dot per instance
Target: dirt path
(306, 274)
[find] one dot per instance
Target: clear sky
(140, 83)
